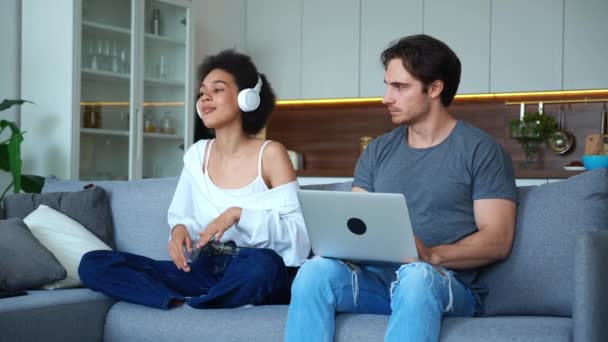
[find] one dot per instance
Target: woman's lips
(208, 110)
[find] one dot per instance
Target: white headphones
(249, 98)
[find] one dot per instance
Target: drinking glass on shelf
(115, 57)
(124, 61)
(162, 68)
(98, 56)
(107, 61)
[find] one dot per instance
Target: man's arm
(495, 219)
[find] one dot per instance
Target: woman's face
(217, 103)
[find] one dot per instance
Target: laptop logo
(356, 226)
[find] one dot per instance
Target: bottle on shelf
(149, 126)
(166, 124)
(92, 117)
(155, 29)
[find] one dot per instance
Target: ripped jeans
(415, 296)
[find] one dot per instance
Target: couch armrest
(590, 302)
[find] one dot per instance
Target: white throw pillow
(67, 239)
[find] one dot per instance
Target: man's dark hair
(245, 75)
(427, 59)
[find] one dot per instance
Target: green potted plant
(10, 155)
(532, 129)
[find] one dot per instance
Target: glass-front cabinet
(136, 81)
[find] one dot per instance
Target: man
(461, 193)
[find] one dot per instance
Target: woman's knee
(264, 264)
(91, 263)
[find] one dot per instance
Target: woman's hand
(180, 238)
(218, 226)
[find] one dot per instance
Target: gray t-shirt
(440, 183)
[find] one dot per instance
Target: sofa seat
(354, 327)
(129, 322)
(54, 315)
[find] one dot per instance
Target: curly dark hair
(427, 59)
(245, 75)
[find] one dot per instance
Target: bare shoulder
(276, 166)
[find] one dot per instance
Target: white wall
(10, 36)
(223, 29)
(47, 78)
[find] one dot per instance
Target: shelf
(121, 133)
(105, 27)
(105, 76)
(162, 82)
(107, 132)
(163, 136)
(544, 173)
(519, 173)
(164, 39)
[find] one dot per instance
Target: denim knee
(265, 264)
(317, 276)
(89, 264)
(416, 280)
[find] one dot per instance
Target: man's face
(405, 98)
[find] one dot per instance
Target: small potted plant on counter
(530, 130)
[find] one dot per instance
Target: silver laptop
(358, 226)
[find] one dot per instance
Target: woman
(235, 205)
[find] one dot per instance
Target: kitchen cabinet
(526, 45)
(585, 44)
(464, 26)
(274, 42)
(330, 48)
(382, 22)
(122, 102)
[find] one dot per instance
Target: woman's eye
(218, 90)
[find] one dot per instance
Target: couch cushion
(66, 238)
(90, 207)
(131, 322)
(139, 211)
(24, 262)
(537, 278)
(357, 327)
(60, 315)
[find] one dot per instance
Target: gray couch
(550, 289)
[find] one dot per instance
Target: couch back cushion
(139, 212)
(537, 278)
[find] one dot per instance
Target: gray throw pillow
(24, 262)
(91, 208)
(538, 276)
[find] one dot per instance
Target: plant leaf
(32, 183)
(14, 153)
(4, 163)
(6, 104)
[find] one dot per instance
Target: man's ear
(435, 88)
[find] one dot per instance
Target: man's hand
(424, 252)
(180, 238)
(217, 227)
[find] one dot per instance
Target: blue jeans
(415, 296)
(253, 276)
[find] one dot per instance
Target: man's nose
(387, 98)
